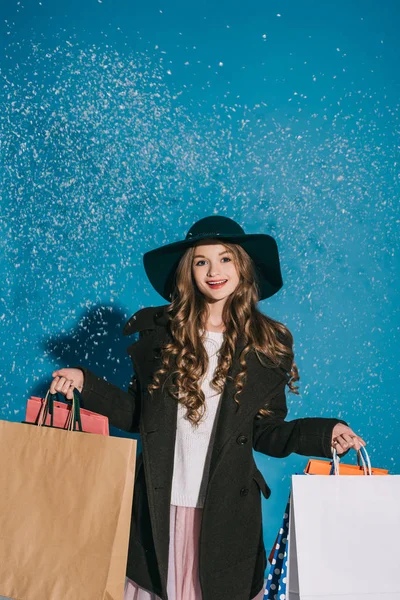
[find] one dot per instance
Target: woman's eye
(201, 261)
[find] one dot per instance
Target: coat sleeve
(274, 436)
(121, 407)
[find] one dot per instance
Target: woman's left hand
(344, 438)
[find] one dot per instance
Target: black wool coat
(232, 557)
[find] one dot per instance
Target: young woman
(209, 386)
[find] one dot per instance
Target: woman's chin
(216, 295)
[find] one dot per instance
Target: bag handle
(362, 455)
(74, 416)
(47, 407)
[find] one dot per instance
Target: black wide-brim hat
(161, 263)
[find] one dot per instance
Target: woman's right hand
(65, 380)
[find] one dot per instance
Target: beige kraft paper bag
(65, 511)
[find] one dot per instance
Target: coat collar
(147, 318)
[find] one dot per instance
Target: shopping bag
(277, 577)
(65, 509)
(324, 467)
(276, 580)
(335, 525)
(58, 413)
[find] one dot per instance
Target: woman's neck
(214, 320)
(215, 329)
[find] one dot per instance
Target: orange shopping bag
(326, 467)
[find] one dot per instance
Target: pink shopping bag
(91, 422)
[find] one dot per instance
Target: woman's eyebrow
(202, 256)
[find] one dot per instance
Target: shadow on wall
(97, 342)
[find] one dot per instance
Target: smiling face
(213, 262)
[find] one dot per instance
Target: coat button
(242, 439)
(244, 491)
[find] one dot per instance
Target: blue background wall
(123, 122)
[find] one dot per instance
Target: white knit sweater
(193, 446)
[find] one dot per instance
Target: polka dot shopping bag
(276, 580)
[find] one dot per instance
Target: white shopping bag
(344, 537)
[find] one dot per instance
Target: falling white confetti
(104, 158)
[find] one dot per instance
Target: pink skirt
(183, 575)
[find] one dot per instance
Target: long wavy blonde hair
(185, 356)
